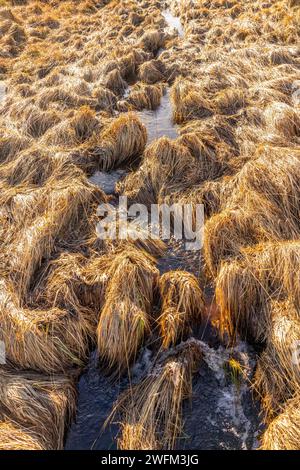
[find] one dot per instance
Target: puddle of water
(2, 92)
(107, 181)
(173, 22)
(159, 123)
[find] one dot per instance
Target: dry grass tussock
(167, 166)
(125, 138)
(15, 437)
(267, 185)
(182, 306)
(125, 318)
(43, 405)
(61, 208)
(283, 432)
(277, 377)
(245, 286)
(151, 411)
(47, 340)
(75, 282)
(251, 190)
(58, 125)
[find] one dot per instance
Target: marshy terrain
(138, 343)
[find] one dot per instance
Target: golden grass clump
(33, 167)
(123, 140)
(15, 437)
(225, 234)
(276, 264)
(152, 72)
(167, 160)
(72, 72)
(11, 142)
(182, 306)
(46, 340)
(277, 377)
(284, 120)
(241, 300)
(62, 207)
(152, 40)
(132, 236)
(75, 282)
(125, 317)
(114, 82)
(229, 101)
(134, 436)
(209, 157)
(270, 184)
(284, 431)
(189, 102)
(60, 96)
(167, 166)
(105, 99)
(153, 408)
(42, 405)
(145, 97)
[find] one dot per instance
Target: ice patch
(173, 22)
(107, 181)
(2, 353)
(159, 123)
(3, 89)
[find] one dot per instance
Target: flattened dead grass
(42, 405)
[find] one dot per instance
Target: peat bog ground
(139, 343)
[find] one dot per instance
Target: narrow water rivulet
(221, 414)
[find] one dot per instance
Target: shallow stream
(221, 414)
